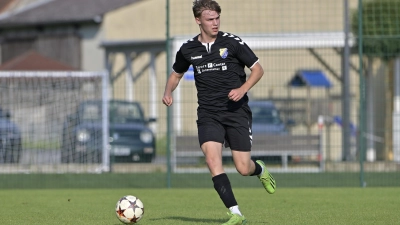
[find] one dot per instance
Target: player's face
(209, 23)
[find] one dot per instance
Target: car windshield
(119, 112)
(267, 115)
(125, 113)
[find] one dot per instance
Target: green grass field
(159, 180)
(202, 206)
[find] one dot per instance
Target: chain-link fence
(329, 95)
(351, 109)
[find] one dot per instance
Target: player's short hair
(200, 5)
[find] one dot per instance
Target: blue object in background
(189, 75)
(338, 120)
(310, 78)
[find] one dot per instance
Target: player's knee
(243, 170)
(211, 162)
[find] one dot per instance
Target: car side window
(120, 113)
(134, 112)
(91, 112)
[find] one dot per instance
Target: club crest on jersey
(223, 52)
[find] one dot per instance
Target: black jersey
(217, 70)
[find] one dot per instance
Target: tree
(380, 40)
(380, 28)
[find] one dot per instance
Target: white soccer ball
(129, 209)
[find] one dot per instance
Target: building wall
(92, 53)
(140, 21)
(147, 19)
(61, 43)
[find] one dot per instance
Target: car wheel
(2, 153)
(68, 148)
(11, 152)
(64, 155)
(16, 149)
(66, 152)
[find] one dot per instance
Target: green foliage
(380, 28)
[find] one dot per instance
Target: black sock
(258, 169)
(224, 190)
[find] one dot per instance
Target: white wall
(92, 53)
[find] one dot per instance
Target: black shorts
(232, 128)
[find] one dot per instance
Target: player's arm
(256, 73)
(171, 85)
(180, 66)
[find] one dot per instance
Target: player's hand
(236, 94)
(167, 100)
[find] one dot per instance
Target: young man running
(224, 117)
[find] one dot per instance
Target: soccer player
(224, 117)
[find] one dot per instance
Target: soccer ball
(129, 209)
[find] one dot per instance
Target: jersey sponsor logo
(200, 68)
(223, 52)
(196, 57)
(211, 67)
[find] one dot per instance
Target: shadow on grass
(188, 219)
(197, 220)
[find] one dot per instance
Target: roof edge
(23, 9)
